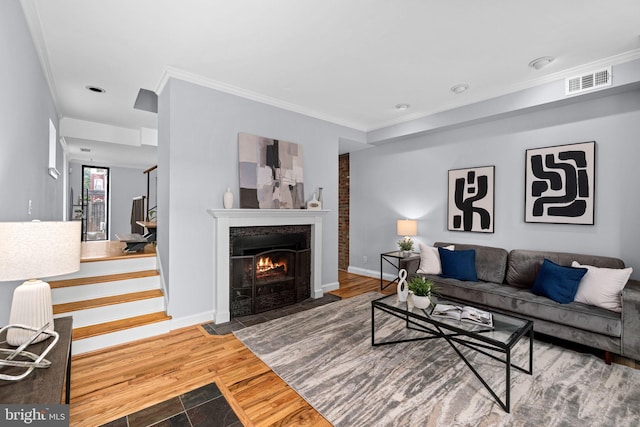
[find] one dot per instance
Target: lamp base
(31, 307)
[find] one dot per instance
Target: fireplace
(269, 267)
(227, 219)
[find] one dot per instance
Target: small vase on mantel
(313, 204)
(227, 199)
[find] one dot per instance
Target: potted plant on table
(420, 290)
(406, 245)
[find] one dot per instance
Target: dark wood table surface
(43, 385)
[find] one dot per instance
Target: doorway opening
(95, 203)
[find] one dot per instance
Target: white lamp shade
(407, 227)
(32, 250)
(38, 249)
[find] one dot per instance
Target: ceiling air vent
(589, 81)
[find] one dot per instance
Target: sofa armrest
(631, 320)
(412, 267)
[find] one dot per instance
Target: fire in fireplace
(266, 269)
(270, 267)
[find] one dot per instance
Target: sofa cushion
(557, 282)
(459, 265)
(602, 287)
(430, 260)
(522, 302)
(523, 265)
(491, 263)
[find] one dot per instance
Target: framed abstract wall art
(471, 199)
(560, 184)
(271, 173)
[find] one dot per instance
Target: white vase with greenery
(420, 290)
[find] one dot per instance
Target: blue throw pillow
(557, 282)
(459, 265)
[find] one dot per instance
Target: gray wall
(408, 179)
(26, 106)
(198, 147)
(126, 183)
(164, 186)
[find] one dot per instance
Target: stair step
(56, 284)
(109, 267)
(119, 325)
(106, 301)
(104, 289)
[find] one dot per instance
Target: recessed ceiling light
(95, 89)
(458, 89)
(541, 62)
(402, 107)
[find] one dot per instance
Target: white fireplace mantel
(227, 218)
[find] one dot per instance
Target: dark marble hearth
(238, 323)
(205, 406)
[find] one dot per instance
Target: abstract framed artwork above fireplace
(227, 222)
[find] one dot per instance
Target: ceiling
(348, 62)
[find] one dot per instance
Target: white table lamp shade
(407, 227)
(34, 250)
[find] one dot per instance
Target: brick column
(343, 211)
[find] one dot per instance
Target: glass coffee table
(496, 342)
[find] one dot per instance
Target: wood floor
(111, 383)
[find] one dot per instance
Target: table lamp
(406, 228)
(29, 251)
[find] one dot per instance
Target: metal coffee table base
(455, 338)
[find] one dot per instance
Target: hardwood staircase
(115, 298)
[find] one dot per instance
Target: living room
(397, 171)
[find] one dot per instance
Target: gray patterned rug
(325, 354)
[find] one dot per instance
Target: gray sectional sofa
(504, 283)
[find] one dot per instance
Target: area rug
(325, 354)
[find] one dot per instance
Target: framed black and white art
(560, 184)
(471, 200)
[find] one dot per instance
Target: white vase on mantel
(227, 199)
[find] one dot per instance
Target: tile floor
(205, 406)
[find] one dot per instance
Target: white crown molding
(622, 58)
(32, 16)
(173, 72)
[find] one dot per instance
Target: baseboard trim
(370, 273)
(194, 319)
(363, 271)
(328, 287)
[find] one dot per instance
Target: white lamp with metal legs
(33, 250)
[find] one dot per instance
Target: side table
(44, 385)
(398, 261)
